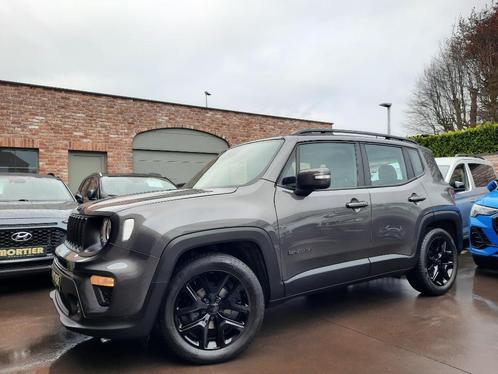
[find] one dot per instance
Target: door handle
(414, 198)
(355, 204)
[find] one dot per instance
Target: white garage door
(177, 154)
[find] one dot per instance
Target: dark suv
(267, 221)
(99, 186)
(34, 210)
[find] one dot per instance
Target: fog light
(98, 280)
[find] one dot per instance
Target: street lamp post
(206, 94)
(388, 106)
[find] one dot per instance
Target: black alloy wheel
(440, 262)
(437, 264)
(212, 310)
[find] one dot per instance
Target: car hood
(116, 204)
(35, 210)
(491, 199)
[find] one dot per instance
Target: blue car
(484, 228)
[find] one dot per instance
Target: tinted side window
(339, 158)
(84, 187)
(417, 165)
(14, 160)
(482, 174)
(431, 163)
(386, 164)
(288, 177)
(460, 175)
(94, 184)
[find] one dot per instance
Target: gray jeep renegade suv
(267, 221)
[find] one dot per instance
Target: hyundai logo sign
(21, 236)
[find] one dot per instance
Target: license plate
(25, 252)
(56, 279)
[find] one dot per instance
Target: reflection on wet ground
(379, 326)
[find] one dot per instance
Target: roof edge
(71, 90)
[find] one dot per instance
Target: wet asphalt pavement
(376, 327)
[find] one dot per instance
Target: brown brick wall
(56, 120)
(494, 160)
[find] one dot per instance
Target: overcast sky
(333, 61)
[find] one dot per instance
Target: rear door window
(386, 164)
(482, 174)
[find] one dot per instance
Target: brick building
(69, 132)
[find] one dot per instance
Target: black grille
(495, 224)
(478, 238)
(76, 231)
(48, 238)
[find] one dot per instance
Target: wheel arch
(447, 219)
(251, 245)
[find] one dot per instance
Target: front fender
(259, 237)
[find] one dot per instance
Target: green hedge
(479, 140)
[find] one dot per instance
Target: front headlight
(105, 231)
(481, 210)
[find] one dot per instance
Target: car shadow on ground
(300, 313)
(26, 283)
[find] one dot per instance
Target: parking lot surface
(376, 327)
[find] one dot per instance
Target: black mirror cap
(311, 180)
(79, 198)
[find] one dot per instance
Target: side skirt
(345, 273)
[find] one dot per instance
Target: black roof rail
(351, 132)
(468, 155)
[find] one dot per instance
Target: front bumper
(487, 243)
(111, 329)
(135, 298)
(27, 266)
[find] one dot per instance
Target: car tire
(437, 264)
(221, 297)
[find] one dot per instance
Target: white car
(469, 176)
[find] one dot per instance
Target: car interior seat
(387, 175)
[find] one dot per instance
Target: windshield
(240, 165)
(443, 169)
(20, 188)
(117, 186)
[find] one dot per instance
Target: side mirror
(492, 185)
(91, 194)
(458, 186)
(311, 180)
(78, 198)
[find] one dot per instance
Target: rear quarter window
(431, 163)
(482, 174)
(418, 167)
